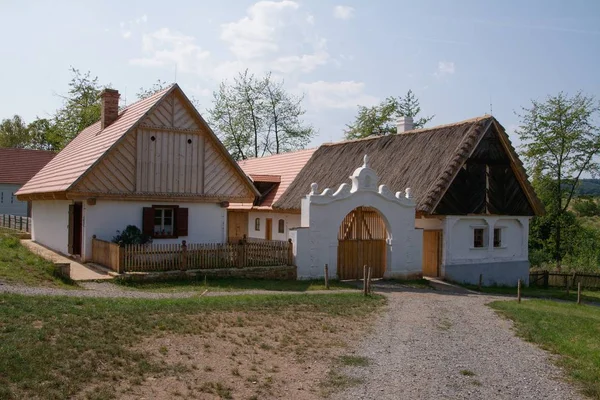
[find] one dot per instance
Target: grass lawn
(210, 347)
(550, 293)
(569, 330)
(19, 265)
(231, 284)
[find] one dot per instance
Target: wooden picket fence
(548, 279)
(15, 222)
(174, 256)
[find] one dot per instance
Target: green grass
(56, 347)
(354, 361)
(569, 330)
(231, 284)
(19, 265)
(550, 293)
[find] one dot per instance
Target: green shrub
(131, 235)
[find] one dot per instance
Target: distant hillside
(589, 187)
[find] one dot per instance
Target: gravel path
(110, 290)
(424, 340)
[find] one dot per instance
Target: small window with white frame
(163, 222)
(497, 237)
(479, 238)
(257, 224)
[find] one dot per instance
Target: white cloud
(310, 19)
(128, 27)
(444, 68)
(340, 95)
(343, 12)
(254, 35)
(167, 48)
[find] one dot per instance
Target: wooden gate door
(237, 225)
(432, 252)
(361, 241)
(269, 229)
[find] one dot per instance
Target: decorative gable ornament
(364, 179)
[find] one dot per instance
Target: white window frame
(484, 228)
(162, 222)
(502, 245)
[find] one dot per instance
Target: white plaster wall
(429, 223)
(404, 242)
(291, 221)
(9, 203)
(206, 222)
(50, 224)
(458, 239)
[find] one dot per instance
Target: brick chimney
(404, 124)
(110, 107)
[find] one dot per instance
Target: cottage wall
(50, 224)
(503, 265)
(207, 223)
(290, 221)
(8, 201)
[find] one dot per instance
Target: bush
(586, 207)
(131, 235)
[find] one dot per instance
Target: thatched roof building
(474, 153)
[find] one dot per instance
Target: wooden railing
(184, 256)
(562, 279)
(108, 254)
(15, 222)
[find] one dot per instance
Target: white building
(156, 165)
(473, 202)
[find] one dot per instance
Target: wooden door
(269, 229)
(361, 241)
(432, 252)
(75, 228)
(237, 225)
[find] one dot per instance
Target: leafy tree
(560, 144)
(156, 87)
(14, 133)
(43, 135)
(381, 119)
(80, 109)
(256, 116)
(586, 207)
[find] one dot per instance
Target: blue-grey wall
(494, 274)
(9, 203)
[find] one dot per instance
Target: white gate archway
(316, 242)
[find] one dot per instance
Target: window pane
(478, 238)
(497, 237)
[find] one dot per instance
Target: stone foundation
(275, 273)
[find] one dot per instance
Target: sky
(461, 58)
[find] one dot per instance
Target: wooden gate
(432, 252)
(361, 241)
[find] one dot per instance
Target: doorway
(361, 241)
(269, 229)
(75, 228)
(432, 252)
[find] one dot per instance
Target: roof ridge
(287, 153)
(413, 131)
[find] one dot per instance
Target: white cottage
(472, 202)
(155, 164)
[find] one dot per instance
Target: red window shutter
(148, 221)
(181, 221)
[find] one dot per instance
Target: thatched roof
(425, 160)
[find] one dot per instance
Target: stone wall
(275, 273)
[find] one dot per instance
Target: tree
(283, 119)
(381, 119)
(14, 133)
(256, 116)
(560, 144)
(159, 85)
(81, 107)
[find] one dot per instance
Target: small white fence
(15, 223)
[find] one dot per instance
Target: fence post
(480, 282)
(121, 261)
(326, 276)
(369, 281)
(519, 291)
(365, 280)
(567, 284)
(183, 255)
(546, 279)
(578, 292)
(290, 252)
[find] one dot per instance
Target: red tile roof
(17, 166)
(86, 148)
(285, 165)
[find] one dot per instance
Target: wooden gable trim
(42, 196)
(220, 147)
(154, 197)
(457, 170)
(518, 169)
(118, 141)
